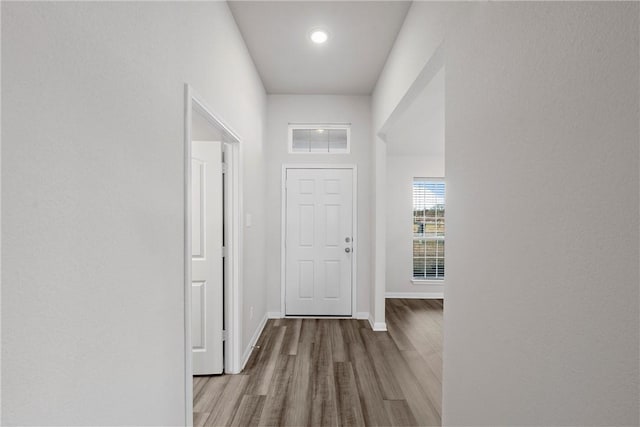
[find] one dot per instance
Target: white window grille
(319, 138)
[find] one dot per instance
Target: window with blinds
(319, 139)
(428, 229)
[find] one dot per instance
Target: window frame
(315, 126)
(419, 279)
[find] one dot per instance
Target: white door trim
(283, 228)
(233, 262)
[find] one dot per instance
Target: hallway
(320, 372)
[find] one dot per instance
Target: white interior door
(319, 242)
(206, 261)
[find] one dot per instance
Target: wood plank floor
(324, 372)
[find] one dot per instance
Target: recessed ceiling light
(318, 36)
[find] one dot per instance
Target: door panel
(206, 261)
(318, 258)
(198, 327)
(197, 208)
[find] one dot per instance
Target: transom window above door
(319, 138)
(428, 229)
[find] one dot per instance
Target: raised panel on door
(318, 257)
(198, 319)
(198, 174)
(206, 261)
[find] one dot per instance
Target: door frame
(233, 236)
(283, 231)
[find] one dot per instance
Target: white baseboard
(253, 341)
(379, 326)
(277, 315)
(415, 295)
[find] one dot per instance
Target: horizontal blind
(428, 229)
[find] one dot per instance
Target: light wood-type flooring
(327, 372)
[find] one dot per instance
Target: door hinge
(225, 335)
(225, 168)
(225, 251)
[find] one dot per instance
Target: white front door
(319, 242)
(206, 261)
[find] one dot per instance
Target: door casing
(283, 229)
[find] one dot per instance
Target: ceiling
(361, 34)
(420, 129)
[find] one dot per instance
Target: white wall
(283, 109)
(415, 146)
(541, 110)
(422, 33)
(400, 173)
(92, 232)
(542, 320)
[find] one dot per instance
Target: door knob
(347, 250)
(347, 239)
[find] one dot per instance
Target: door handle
(347, 250)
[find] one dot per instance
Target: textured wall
(92, 198)
(541, 320)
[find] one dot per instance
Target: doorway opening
(212, 245)
(413, 185)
